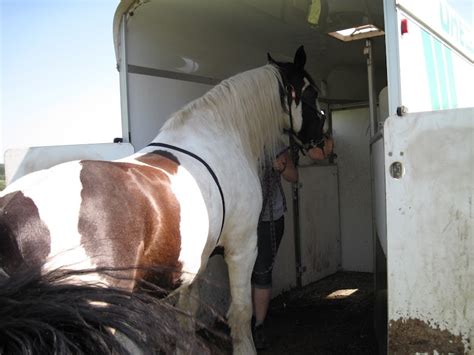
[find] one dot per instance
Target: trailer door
(424, 170)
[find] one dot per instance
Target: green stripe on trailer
(448, 55)
(440, 73)
(430, 70)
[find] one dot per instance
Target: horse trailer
(395, 80)
(397, 201)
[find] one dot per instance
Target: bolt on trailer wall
(428, 160)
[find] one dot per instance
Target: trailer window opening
(356, 33)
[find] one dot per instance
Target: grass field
(2, 177)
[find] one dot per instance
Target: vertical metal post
(329, 118)
(296, 215)
(370, 78)
(123, 70)
(373, 131)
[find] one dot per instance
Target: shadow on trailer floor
(310, 321)
(319, 320)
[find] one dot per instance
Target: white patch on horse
(194, 222)
(296, 111)
(66, 249)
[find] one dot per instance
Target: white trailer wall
(319, 229)
(352, 135)
(429, 231)
(152, 100)
(428, 189)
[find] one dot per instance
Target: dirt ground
(305, 321)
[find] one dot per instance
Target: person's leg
(262, 276)
(261, 300)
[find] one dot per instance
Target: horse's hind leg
(240, 311)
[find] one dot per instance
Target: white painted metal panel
(319, 229)
(378, 181)
(351, 132)
(21, 161)
(429, 231)
(319, 221)
(151, 102)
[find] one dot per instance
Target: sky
(58, 76)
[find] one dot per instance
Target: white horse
(194, 188)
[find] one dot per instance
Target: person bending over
(270, 232)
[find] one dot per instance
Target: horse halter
(291, 95)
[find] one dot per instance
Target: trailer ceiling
(218, 38)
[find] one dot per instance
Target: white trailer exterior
(413, 231)
(428, 163)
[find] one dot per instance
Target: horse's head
(299, 95)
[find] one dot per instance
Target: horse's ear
(300, 57)
(270, 59)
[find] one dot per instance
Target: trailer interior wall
(353, 142)
(177, 50)
(153, 99)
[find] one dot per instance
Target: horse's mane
(247, 105)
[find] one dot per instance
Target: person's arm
(284, 165)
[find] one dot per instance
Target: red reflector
(404, 26)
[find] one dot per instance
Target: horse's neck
(244, 110)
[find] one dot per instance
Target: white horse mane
(247, 106)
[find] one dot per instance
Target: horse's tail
(41, 314)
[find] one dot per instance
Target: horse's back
(88, 214)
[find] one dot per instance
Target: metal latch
(396, 170)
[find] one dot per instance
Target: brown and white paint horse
(196, 187)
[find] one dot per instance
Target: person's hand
(279, 163)
(328, 146)
(316, 153)
(321, 154)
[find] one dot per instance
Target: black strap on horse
(203, 162)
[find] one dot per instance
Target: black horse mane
(42, 314)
